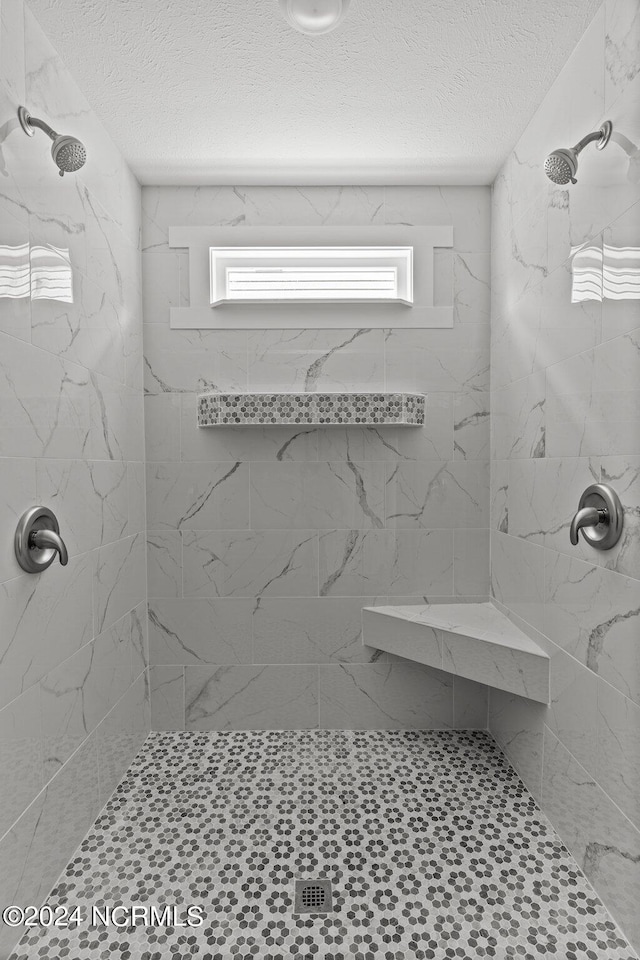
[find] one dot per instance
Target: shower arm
(34, 122)
(590, 137)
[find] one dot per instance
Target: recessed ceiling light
(314, 17)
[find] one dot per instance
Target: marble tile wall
(565, 406)
(265, 543)
(73, 640)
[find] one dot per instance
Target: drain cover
(313, 896)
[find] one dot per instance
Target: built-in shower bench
(471, 640)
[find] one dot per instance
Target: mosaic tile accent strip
(260, 409)
(432, 844)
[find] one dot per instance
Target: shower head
(69, 153)
(561, 166)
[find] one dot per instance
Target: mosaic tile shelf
(472, 640)
(319, 409)
(434, 848)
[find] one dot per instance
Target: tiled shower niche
(318, 409)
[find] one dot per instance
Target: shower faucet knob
(587, 517)
(38, 540)
(599, 516)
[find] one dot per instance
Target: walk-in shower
(319, 481)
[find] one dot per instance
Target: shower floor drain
(313, 896)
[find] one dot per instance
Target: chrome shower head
(561, 166)
(69, 153)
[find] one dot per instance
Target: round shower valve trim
(38, 541)
(599, 517)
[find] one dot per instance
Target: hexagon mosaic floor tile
(433, 847)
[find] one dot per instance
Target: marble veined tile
(15, 319)
(517, 724)
(45, 619)
(164, 563)
(481, 620)
(198, 496)
(384, 442)
(78, 694)
(20, 756)
(594, 614)
(615, 765)
(119, 579)
(470, 426)
(517, 576)
(519, 415)
(136, 497)
(117, 420)
(310, 630)
(470, 704)
(600, 837)
(121, 735)
(356, 563)
(167, 697)
(139, 639)
(249, 697)
(45, 402)
(89, 497)
(312, 361)
(256, 206)
(46, 835)
(434, 494)
(622, 37)
(317, 495)
(441, 361)
(186, 361)
(623, 315)
(497, 665)
(89, 331)
(384, 696)
(472, 287)
(397, 630)
(162, 427)
(573, 707)
(471, 563)
(200, 631)
(250, 563)
(466, 208)
(160, 283)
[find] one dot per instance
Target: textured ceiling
(218, 91)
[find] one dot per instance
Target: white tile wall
(73, 695)
(565, 411)
(292, 530)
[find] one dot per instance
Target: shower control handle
(38, 542)
(49, 540)
(599, 516)
(587, 517)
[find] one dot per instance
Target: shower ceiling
(224, 91)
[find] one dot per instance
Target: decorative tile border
(320, 409)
